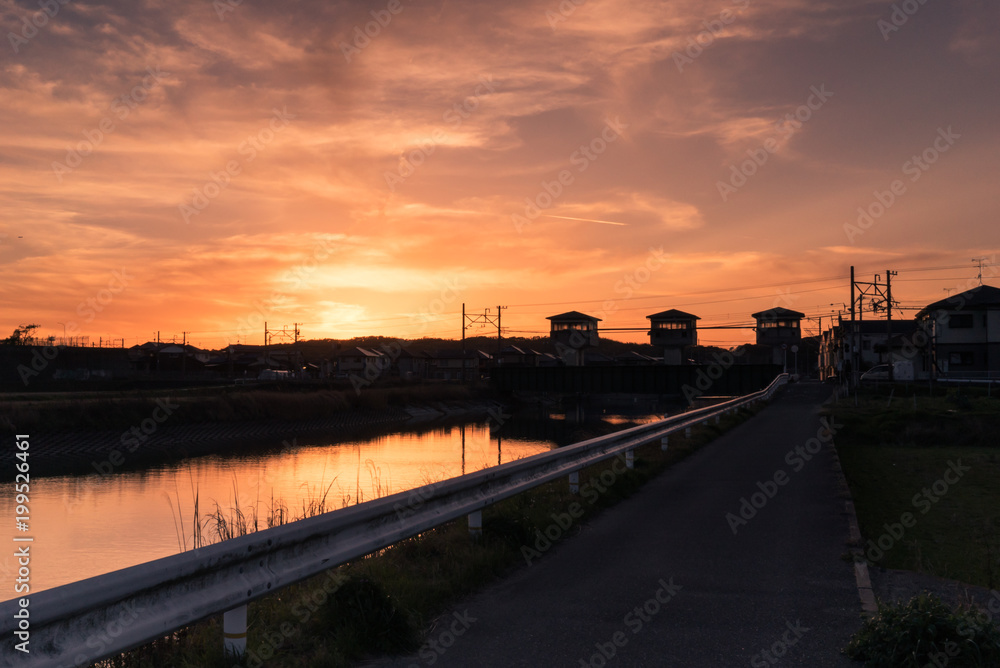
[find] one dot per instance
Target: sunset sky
(199, 166)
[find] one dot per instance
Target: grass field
(925, 475)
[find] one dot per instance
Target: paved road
(780, 583)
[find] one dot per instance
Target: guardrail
(93, 619)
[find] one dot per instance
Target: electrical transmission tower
(484, 319)
(879, 298)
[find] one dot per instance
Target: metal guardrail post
(476, 523)
(663, 443)
(574, 482)
(687, 432)
(630, 459)
(234, 631)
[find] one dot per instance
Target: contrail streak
(586, 220)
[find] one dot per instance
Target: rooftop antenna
(979, 261)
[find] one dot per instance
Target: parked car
(902, 370)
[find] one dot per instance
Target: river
(86, 525)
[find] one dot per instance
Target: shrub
(926, 632)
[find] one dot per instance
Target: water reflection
(92, 524)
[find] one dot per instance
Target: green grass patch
(923, 472)
(926, 632)
(387, 601)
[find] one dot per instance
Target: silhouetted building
(779, 329)
(673, 330)
(965, 330)
(573, 332)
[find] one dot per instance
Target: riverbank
(80, 411)
(108, 434)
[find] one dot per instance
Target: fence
(92, 619)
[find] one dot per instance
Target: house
(573, 332)
(357, 361)
(673, 330)
(155, 356)
(597, 358)
(779, 329)
(965, 333)
(633, 358)
(517, 356)
(411, 365)
(864, 343)
(463, 365)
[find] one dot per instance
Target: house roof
(977, 298)
(461, 354)
(357, 351)
(572, 316)
(412, 354)
(633, 356)
(516, 351)
(778, 312)
(672, 314)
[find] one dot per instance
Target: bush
(926, 632)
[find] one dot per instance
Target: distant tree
(22, 336)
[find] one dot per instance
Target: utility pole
(265, 344)
(500, 310)
(298, 357)
(854, 343)
(875, 289)
(888, 322)
(483, 320)
(184, 337)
